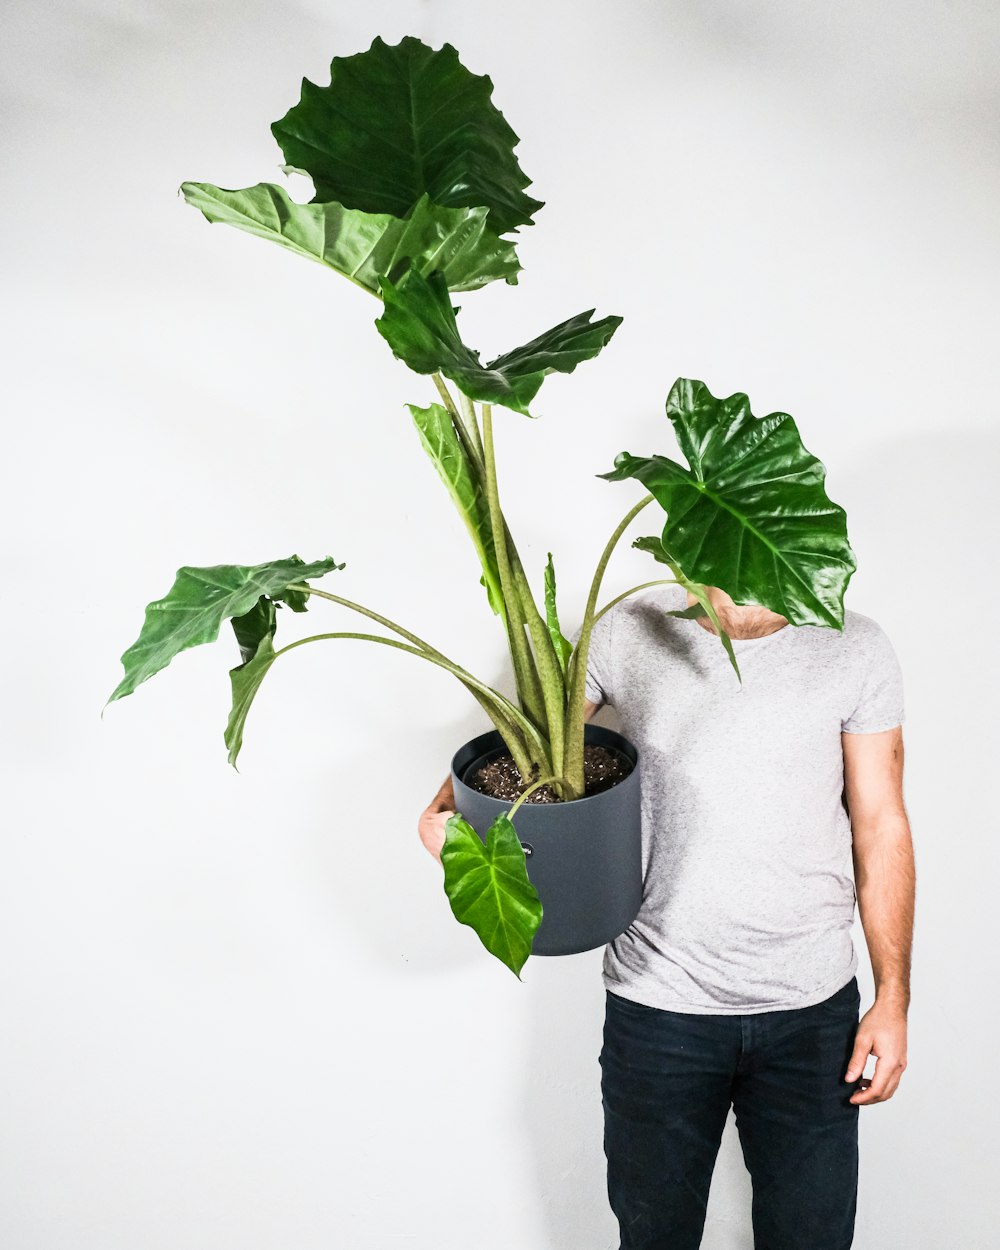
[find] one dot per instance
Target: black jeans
(667, 1081)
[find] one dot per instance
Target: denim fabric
(667, 1081)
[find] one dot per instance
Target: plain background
(237, 1013)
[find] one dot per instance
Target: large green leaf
(751, 515)
(255, 634)
(442, 444)
(364, 246)
(419, 325)
(197, 604)
(399, 120)
(489, 889)
(562, 646)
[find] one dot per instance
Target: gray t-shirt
(748, 882)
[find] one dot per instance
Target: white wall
(237, 1012)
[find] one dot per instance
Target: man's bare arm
(886, 884)
(435, 816)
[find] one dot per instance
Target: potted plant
(417, 190)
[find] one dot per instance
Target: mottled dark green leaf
(401, 120)
(563, 647)
(196, 605)
(364, 246)
(489, 889)
(419, 325)
(751, 515)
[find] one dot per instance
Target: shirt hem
(746, 1009)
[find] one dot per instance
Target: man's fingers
(862, 1049)
(885, 1079)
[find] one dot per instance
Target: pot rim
(632, 777)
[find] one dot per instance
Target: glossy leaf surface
(196, 605)
(419, 325)
(751, 515)
(364, 246)
(442, 444)
(401, 120)
(489, 889)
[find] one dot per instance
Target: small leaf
(692, 613)
(419, 325)
(703, 607)
(489, 889)
(563, 647)
(401, 120)
(443, 446)
(246, 679)
(197, 604)
(364, 246)
(252, 626)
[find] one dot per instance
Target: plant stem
(549, 671)
(469, 412)
(576, 669)
(529, 686)
(660, 581)
(526, 730)
(524, 794)
(466, 429)
(500, 710)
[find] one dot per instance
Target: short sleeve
(880, 702)
(598, 683)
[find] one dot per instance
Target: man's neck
(739, 621)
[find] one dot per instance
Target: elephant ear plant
(417, 193)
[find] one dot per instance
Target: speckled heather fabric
(748, 896)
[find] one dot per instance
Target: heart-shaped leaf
(489, 889)
(197, 604)
(401, 120)
(419, 325)
(364, 246)
(751, 515)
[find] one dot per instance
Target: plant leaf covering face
(751, 514)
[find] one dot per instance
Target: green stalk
(500, 711)
(524, 794)
(466, 428)
(534, 697)
(660, 581)
(577, 666)
(529, 687)
(519, 723)
(549, 671)
(469, 413)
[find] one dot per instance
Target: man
(764, 804)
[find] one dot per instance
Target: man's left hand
(882, 1033)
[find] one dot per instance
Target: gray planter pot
(584, 857)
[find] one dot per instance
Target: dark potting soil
(501, 778)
